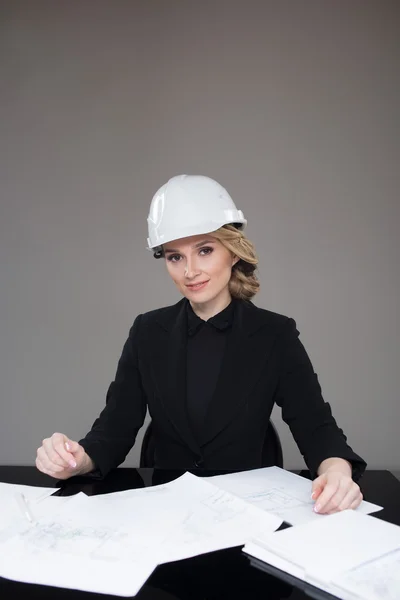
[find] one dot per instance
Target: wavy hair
(244, 283)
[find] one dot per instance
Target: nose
(191, 269)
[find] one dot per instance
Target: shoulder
(163, 315)
(268, 315)
(275, 322)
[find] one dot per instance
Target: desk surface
(224, 575)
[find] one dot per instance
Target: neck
(206, 310)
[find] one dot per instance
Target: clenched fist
(60, 457)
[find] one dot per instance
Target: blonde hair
(243, 283)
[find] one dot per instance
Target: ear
(235, 259)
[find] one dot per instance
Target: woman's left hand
(334, 491)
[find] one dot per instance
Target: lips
(197, 286)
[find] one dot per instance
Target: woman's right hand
(60, 457)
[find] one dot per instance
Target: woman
(211, 367)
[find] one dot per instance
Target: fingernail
(316, 508)
(313, 496)
(68, 447)
(72, 464)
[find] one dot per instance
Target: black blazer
(264, 363)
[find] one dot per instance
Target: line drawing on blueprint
(215, 510)
(64, 537)
(195, 526)
(222, 507)
(274, 498)
(124, 546)
(379, 578)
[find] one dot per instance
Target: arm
(309, 417)
(114, 431)
(338, 465)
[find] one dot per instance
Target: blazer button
(199, 463)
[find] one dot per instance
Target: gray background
(292, 105)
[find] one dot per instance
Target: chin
(202, 298)
(198, 297)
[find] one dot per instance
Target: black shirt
(206, 345)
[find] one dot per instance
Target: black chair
(271, 454)
(148, 449)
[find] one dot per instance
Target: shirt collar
(222, 320)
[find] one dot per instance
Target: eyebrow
(198, 245)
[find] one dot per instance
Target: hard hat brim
(157, 248)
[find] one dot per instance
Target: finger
(317, 487)
(56, 475)
(325, 498)
(49, 465)
(337, 499)
(334, 503)
(39, 465)
(354, 496)
(45, 461)
(351, 507)
(356, 503)
(52, 455)
(316, 493)
(72, 446)
(58, 442)
(43, 469)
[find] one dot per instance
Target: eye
(205, 251)
(174, 257)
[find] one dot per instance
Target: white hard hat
(189, 205)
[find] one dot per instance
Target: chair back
(148, 450)
(272, 455)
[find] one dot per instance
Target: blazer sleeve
(303, 408)
(114, 431)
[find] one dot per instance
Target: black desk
(224, 575)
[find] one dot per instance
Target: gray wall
(293, 106)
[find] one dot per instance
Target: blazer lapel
(170, 371)
(242, 363)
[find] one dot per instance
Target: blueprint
(111, 543)
(375, 580)
(279, 492)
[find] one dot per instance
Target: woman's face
(200, 266)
